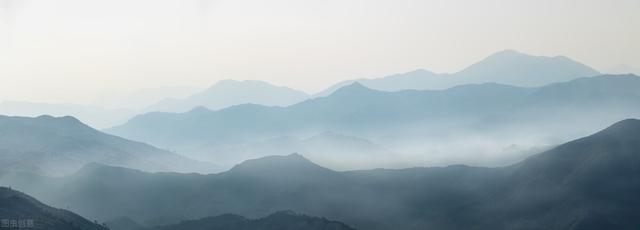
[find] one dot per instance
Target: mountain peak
(355, 85)
(226, 93)
(353, 89)
(508, 53)
(628, 128)
(200, 110)
(45, 122)
(519, 69)
(231, 82)
(290, 165)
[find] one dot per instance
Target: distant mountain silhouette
(418, 79)
(514, 68)
(94, 116)
(403, 118)
(21, 208)
(229, 93)
(283, 220)
(61, 145)
(353, 105)
(326, 148)
(278, 166)
(508, 67)
(588, 183)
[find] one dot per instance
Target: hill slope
(62, 145)
(32, 214)
(589, 183)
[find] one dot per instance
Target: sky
(77, 51)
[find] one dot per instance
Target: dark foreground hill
(589, 183)
(28, 213)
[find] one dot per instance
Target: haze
(77, 51)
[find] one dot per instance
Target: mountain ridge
(60, 145)
(504, 67)
(226, 93)
(591, 180)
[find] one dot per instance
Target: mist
(319, 115)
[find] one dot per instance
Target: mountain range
(18, 210)
(507, 67)
(283, 220)
(61, 145)
(95, 116)
(588, 183)
(229, 93)
(409, 121)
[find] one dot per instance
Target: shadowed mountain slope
(22, 208)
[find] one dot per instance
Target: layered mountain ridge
(591, 180)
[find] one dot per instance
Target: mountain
(327, 148)
(94, 116)
(482, 124)
(230, 92)
(514, 68)
(587, 183)
(61, 145)
(351, 108)
(507, 67)
(283, 220)
(419, 79)
(29, 213)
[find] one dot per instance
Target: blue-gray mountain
(94, 116)
(339, 151)
(506, 67)
(409, 121)
(589, 183)
(62, 145)
(229, 92)
(28, 213)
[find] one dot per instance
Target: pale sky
(75, 50)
